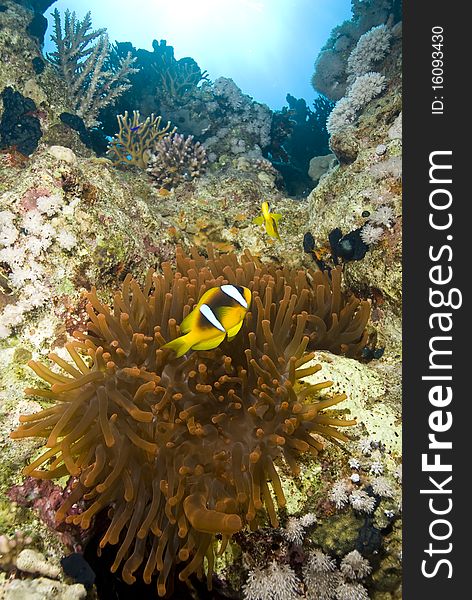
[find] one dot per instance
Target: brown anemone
(179, 450)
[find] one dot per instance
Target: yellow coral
(133, 142)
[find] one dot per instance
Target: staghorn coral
(179, 450)
(175, 159)
(90, 82)
(135, 140)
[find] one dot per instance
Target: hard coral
(182, 449)
(176, 159)
(82, 59)
(133, 143)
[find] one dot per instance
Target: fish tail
(180, 345)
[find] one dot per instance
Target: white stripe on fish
(210, 316)
(234, 293)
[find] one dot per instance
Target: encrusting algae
(181, 449)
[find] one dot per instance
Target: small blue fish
(136, 128)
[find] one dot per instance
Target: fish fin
(189, 321)
(234, 331)
(258, 220)
(276, 217)
(180, 345)
(209, 344)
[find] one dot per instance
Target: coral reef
(332, 66)
(175, 159)
(134, 142)
(233, 486)
(275, 582)
(19, 127)
(81, 61)
(363, 90)
(141, 405)
(370, 49)
(298, 133)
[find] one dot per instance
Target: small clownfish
(269, 220)
(219, 314)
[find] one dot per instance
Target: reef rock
(41, 589)
(319, 165)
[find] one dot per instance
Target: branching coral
(82, 64)
(176, 159)
(179, 450)
(133, 144)
(178, 77)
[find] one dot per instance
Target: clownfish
(269, 220)
(219, 314)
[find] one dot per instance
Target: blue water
(267, 47)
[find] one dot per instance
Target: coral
(92, 138)
(331, 66)
(382, 487)
(45, 498)
(362, 502)
(371, 47)
(10, 547)
(275, 582)
(355, 566)
(329, 76)
(319, 165)
(32, 561)
(294, 531)
(342, 115)
(237, 125)
(364, 89)
(177, 77)
(25, 236)
(383, 215)
(324, 581)
(42, 588)
(354, 463)
(180, 450)
(351, 591)
(135, 140)
(19, 126)
(371, 234)
(176, 159)
(376, 467)
(339, 493)
(81, 60)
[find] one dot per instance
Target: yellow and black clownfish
(219, 314)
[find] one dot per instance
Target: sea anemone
(179, 450)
